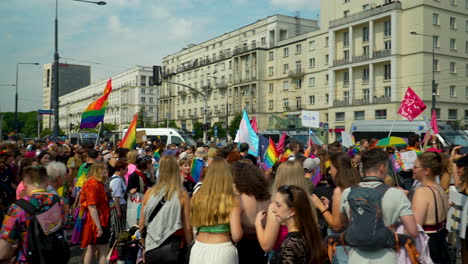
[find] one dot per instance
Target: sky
(114, 37)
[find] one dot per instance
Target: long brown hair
(213, 203)
(249, 180)
(432, 161)
(298, 200)
(347, 173)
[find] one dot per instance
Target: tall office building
(355, 63)
(71, 77)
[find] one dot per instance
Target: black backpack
(366, 229)
(44, 248)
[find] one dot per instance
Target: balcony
(245, 80)
(382, 53)
(222, 85)
(361, 58)
(166, 96)
(383, 99)
(365, 14)
(341, 62)
(363, 101)
(182, 93)
(297, 73)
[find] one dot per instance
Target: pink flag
(411, 106)
(280, 145)
(253, 123)
(310, 142)
(434, 126)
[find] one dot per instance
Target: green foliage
(27, 123)
(234, 125)
(198, 127)
(221, 130)
(110, 127)
(46, 132)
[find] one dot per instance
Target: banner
(411, 106)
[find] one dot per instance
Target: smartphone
(463, 150)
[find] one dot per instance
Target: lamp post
(434, 90)
(55, 69)
(16, 92)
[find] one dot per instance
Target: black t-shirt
(292, 250)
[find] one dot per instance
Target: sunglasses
(287, 190)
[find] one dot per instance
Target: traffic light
(157, 75)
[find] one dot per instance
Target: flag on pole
(253, 122)
(271, 155)
(280, 145)
(247, 134)
(156, 155)
(434, 125)
(129, 140)
(411, 106)
(286, 155)
(94, 113)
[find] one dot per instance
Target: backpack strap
(30, 208)
(436, 211)
(156, 210)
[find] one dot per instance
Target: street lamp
(16, 93)
(434, 90)
(55, 69)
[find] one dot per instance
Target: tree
(198, 127)
(141, 117)
(234, 125)
(221, 130)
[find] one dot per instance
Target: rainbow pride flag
(196, 168)
(129, 140)
(271, 155)
(286, 155)
(94, 113)
(156, 155)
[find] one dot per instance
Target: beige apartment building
(355, 63)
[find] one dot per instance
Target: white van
(167, 135)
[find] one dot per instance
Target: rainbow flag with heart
(94, 113)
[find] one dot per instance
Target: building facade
(354, 64)
(71, 77)
(132, 92)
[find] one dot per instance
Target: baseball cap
(311, 163)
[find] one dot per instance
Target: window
(437, 89)
(143, 80)
(263, 40)
(285, 52)
(452, 114)
(270, 88)
(285, 102)
(453, 68)
(453, 44)
(365, 7)
(151, 100)
(346, 39)
(270, 104)
(346, 54)
(143, 100)
(326, 78)
(466, 69)
(365, 94)
(312, 81)
(340, 116)
(143, 91)
(466, 115)
(298, 49)
(435, 41)
(436, 65)
(466, 44)
(453, 2)
(346, 78)
(299, 102)
(388, 91)
(453, 23)
(388, 45)
(311, 99)
(327, 98)
(365, 34)
(312, 63)
(312, 44)
(270, 71)
(326, 41)
(365, 50)
(346, 1)
(285, 85)
(365, 75)
(437, 113)
(387, 28)
(298, 83)
(381, 114)
(359, 115)
(285, 68)
(326, 59)
(452, 91)
(466, 25)
(435, 19)
(346, 96)
(387, 72)
(346, 13)
(270, 55)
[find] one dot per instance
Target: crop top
(223, 228)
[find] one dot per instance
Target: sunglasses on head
(286, 189)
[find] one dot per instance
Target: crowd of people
(220, 204)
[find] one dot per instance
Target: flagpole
(391, 129)
(99, 130)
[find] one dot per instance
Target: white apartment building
(132, 91)
(356, 65)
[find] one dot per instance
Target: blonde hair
(169, 178)
(218, 190)
(212, 152)
(290, 173)
(97, 171)
(132, 156)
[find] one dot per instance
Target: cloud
(180, 28)
(294, 5)
(160, 12)
(115, 25)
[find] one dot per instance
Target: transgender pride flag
(247, 134)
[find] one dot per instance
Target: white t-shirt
(118, 188)
(394, 205)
